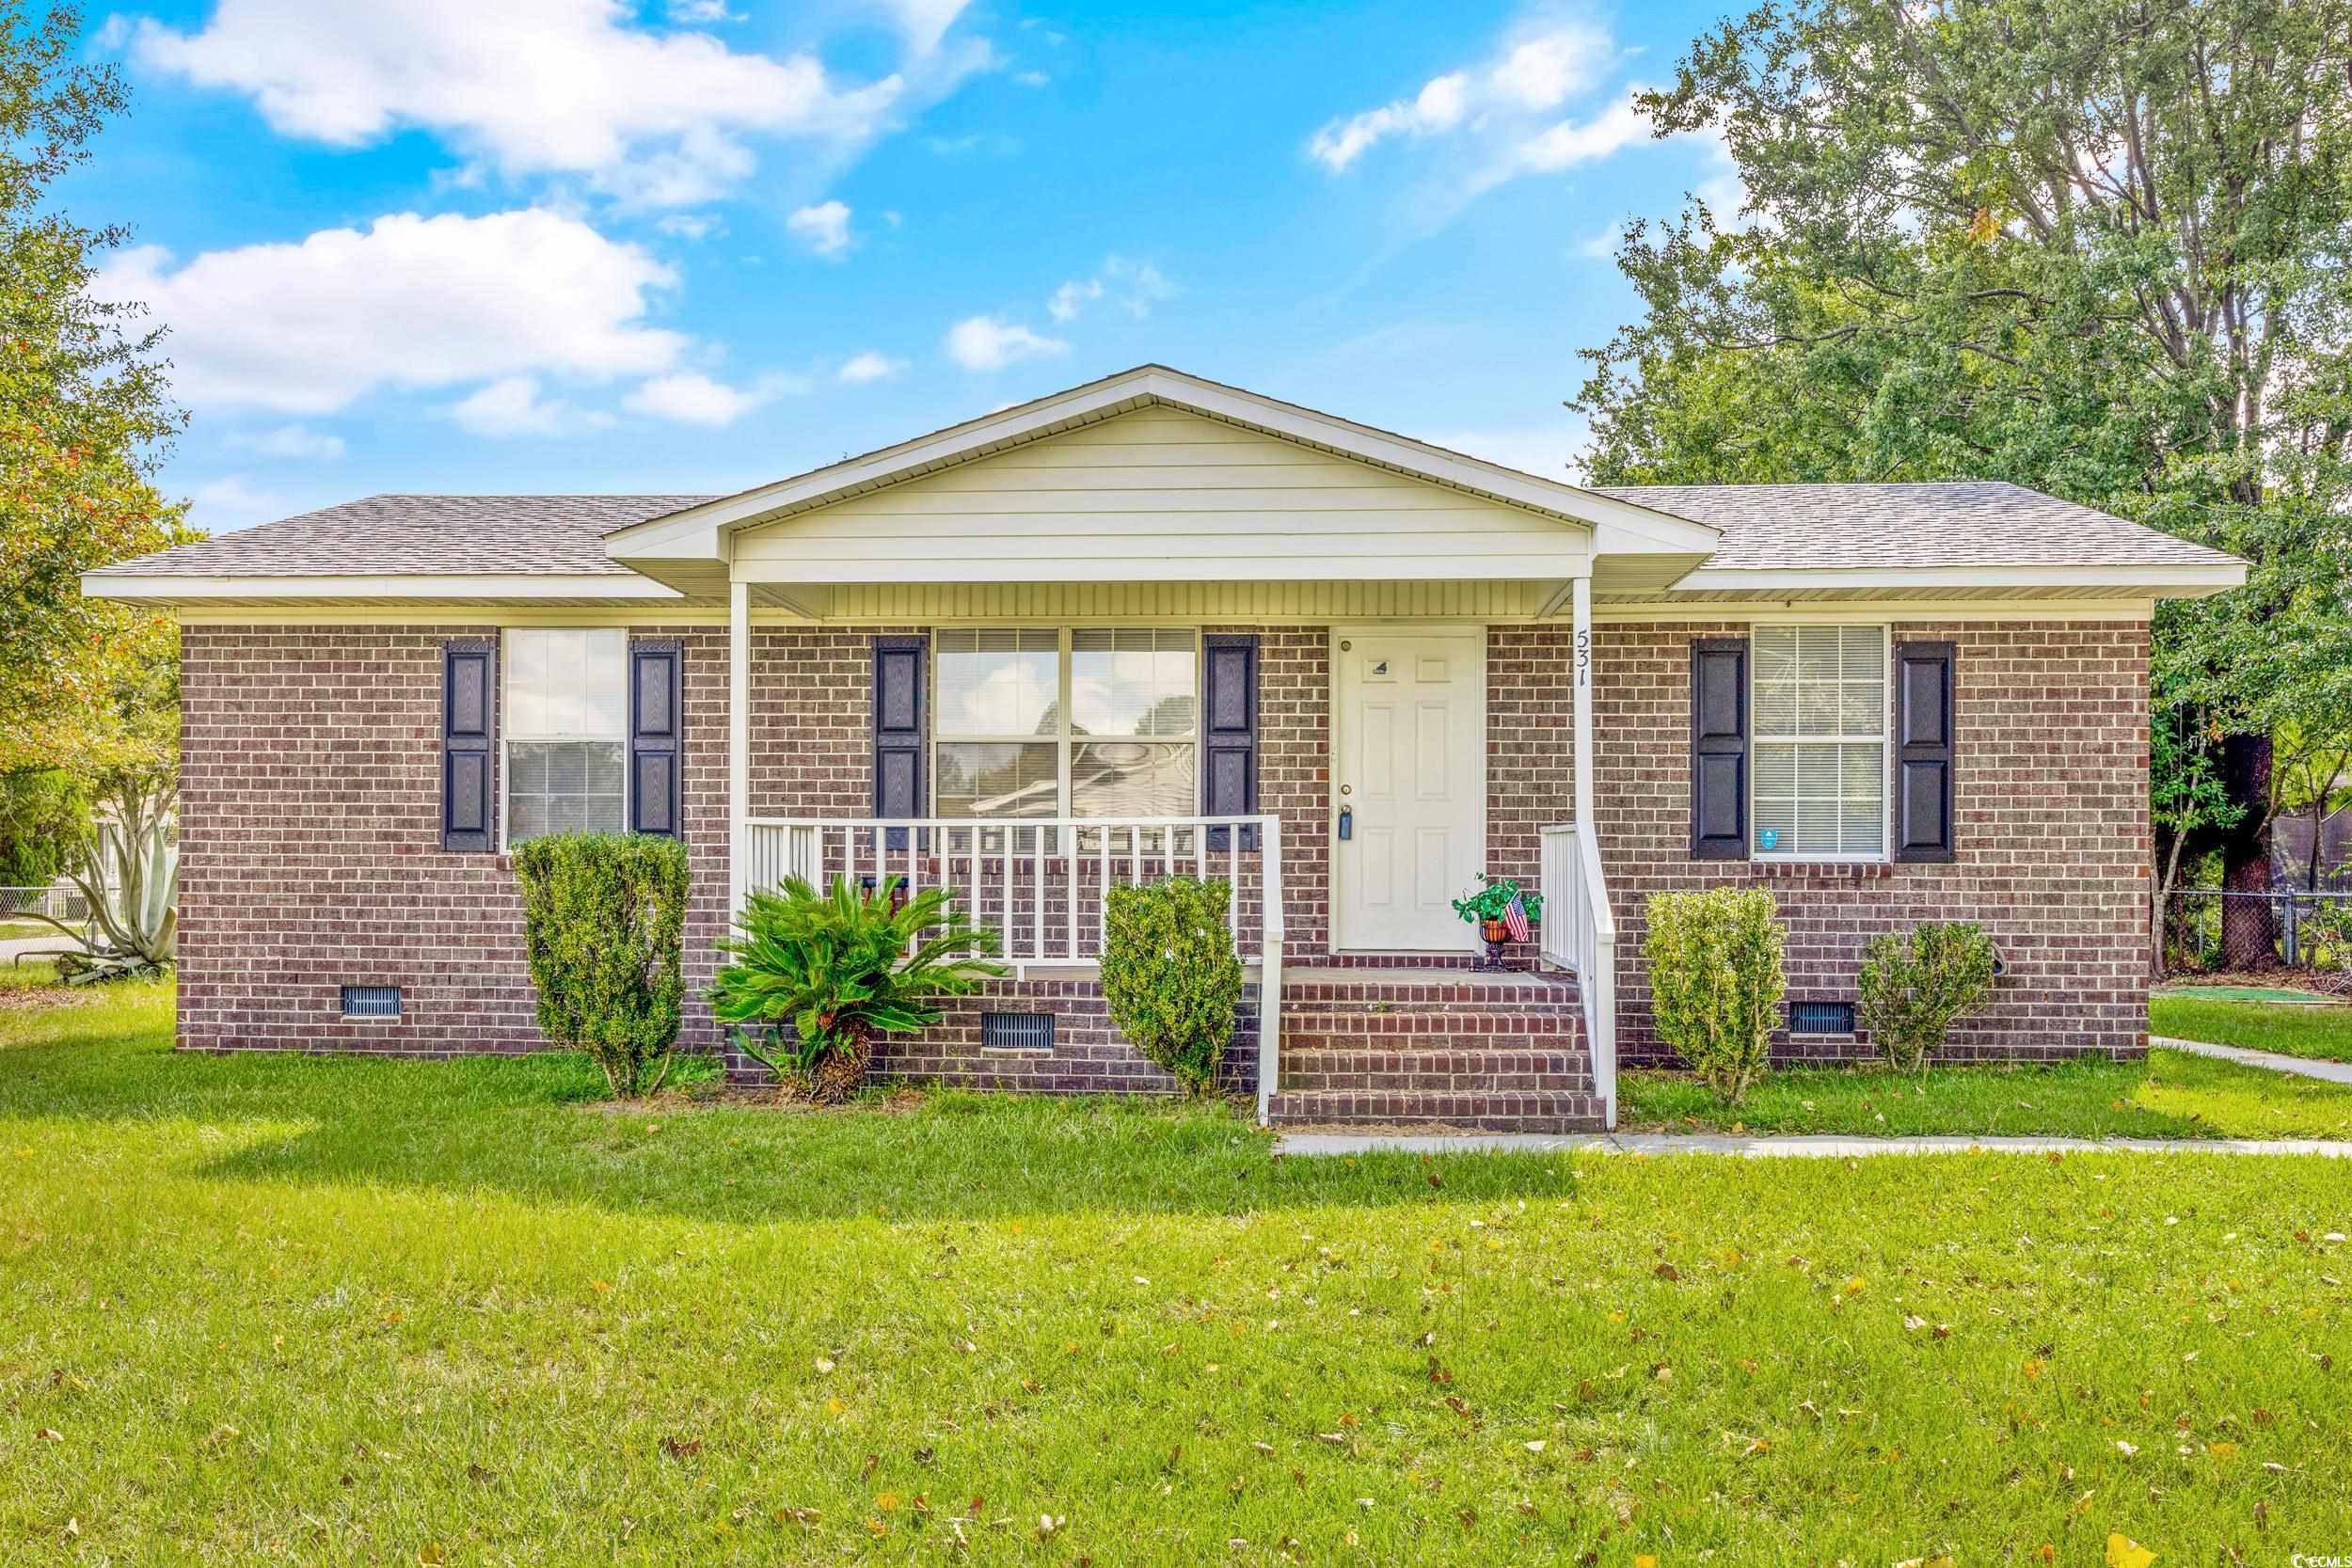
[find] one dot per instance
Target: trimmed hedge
(1172, 976)
(604, 923)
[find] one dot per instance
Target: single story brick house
(1155, 623)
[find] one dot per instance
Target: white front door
(1409, 774)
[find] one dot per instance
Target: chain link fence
(60, 901)
(2206, 929)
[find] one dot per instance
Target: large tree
(83, 419)
(2097, 246)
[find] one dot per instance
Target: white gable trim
(1618, 526)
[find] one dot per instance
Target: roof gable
(1163, 492)
(1620, 526)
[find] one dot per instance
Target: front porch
(1155, 627)
(1329, 1039)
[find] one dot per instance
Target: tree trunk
(2249, 926)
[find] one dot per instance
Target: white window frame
(1885, 739)
(1063, 741)
(507, 709)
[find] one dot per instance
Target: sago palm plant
(819, 975)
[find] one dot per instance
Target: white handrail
(1585, 941)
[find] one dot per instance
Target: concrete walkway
(2302, 1067)
(1808, 1145)
(50, 943)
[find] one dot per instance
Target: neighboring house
(1154, 622)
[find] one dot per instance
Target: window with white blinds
(1096, 721)
(1820, 716)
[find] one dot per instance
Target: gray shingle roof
(1969, 523)
(421, 535)
(1765, 526)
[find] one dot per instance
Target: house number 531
(1583, 658)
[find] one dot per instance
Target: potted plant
(1501, 911)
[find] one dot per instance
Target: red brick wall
(311, 857)
(1531, 744)
(310, 851)
(2052, 807)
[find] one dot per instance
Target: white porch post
(739, 739)
(1582, 588)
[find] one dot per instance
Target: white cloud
(532, 86)
(1568, 144)
(824, 228)
(1438, 107)
(689, 397)
(1543, 72)
(695, 13)
(985, 343)
(511, 405)
(232, 502)
(690, 226)
(310, 327)
(924, 22)
(870, 366)
(290, 440)
(1072, 297)
(1536, 69)
(1134, 287)
(1137, 286)
(1031, 78)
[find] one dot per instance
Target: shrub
(1716, 982)
(816, 978)
(1172, 976)
(604, 920)
(1914, 987)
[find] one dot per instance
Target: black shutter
(469, 683)
(1923, 750)
(1229, 732)
(899, 682)
(657, 723)
(1719, 749)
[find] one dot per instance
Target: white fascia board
(695, 530)
(2198, 578)
(156, 588)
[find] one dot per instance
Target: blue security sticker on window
(1768, 838)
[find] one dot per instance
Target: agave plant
(127, 867)
(814, 978)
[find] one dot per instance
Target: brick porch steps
(1477, 1110)
(1423, 1047)
(1443, 1069)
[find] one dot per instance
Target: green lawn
(2324, 1033)
(2172, 1095)
(341, 1310)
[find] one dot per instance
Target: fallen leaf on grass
(2124, 1552)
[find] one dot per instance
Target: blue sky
(695, 246)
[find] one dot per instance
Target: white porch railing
(1040, 882)
(1580, 932)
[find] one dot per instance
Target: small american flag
(1514, 918)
